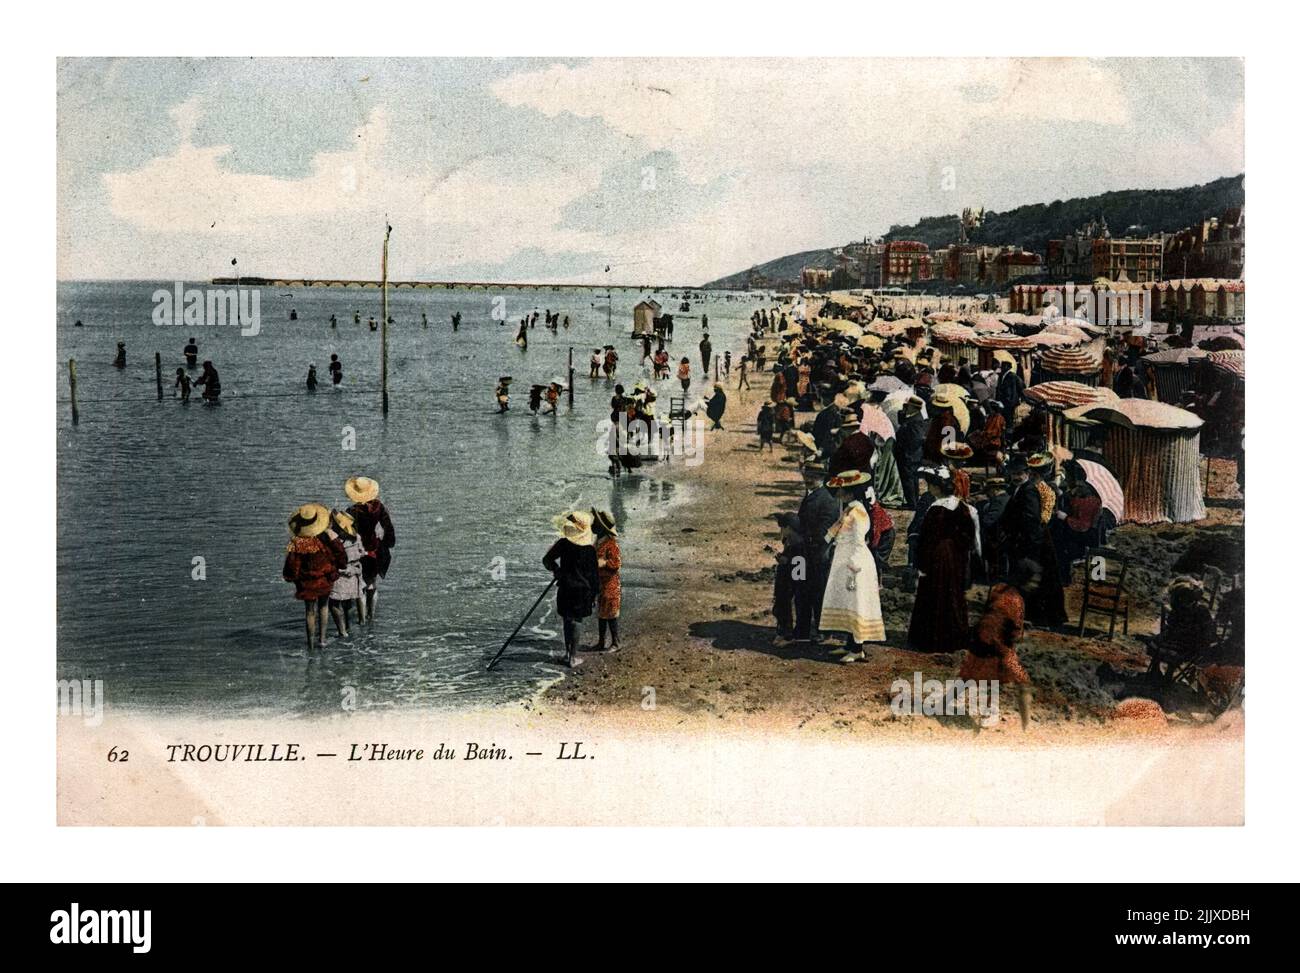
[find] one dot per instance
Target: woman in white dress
(852, 600)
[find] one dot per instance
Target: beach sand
(703, 641)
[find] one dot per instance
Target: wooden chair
(677, 411)
(1106, 597)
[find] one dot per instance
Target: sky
(662, 171)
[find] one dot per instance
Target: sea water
(147, 488)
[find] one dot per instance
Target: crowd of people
(890, 426)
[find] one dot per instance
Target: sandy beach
(704, 641)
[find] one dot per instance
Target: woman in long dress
(949, 531)
(851, 603)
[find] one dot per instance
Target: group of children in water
(335, 558)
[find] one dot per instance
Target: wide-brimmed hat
(505, 379)
(913, 403)
(309, 520)
(361, 489)
(958, 451)
(813, 469)
(343, 523)
(575, 525)
(1040, 461)
(605, 519)
(941, 400)
(848, 478)
(805, 440)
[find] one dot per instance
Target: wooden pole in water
(383, 328)
(72, 384)
(570, 378)
(157, 372)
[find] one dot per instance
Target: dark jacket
(577, 579)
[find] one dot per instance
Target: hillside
(1158, 210)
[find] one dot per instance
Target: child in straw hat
(312, 562)
(572, 559)
(376, 529)
(347, 591)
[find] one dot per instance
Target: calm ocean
(144, 487)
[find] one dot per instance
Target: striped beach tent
(1174, 370)
(1068, 365)
(1015, 345)
(1232, 363)
(1061, 396)
(954, 342)
(1155, 451)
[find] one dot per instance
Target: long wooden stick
(383, 354)
(496, 657)
(72, 385)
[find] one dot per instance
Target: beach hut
(1068, 365)
(643, 317)
(953, 341)
(1154, 450)
(1020, 349)
(1174, 371)
(1059, 397)
(1221, 387)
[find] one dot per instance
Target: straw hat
(361, 489)
(343, 523)
(805, 440)
(1041, 461)
(309, 520)
(575, 525)
(958, 451)
(848, 478)
(605, 519)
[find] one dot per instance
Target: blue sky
(672, 171)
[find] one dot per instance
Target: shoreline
(703, 643)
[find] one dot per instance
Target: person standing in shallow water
(572, 560)
(609, 562)
(311, 378)
(346, 593)
(119, 360)
(211, 383)
(192, 354)
(336, 370)
(312, 562)
(377, 535)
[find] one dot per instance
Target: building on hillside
(1137, 261)
(901, 262)
(1012, 263)
(1215, 247)
(815, 278)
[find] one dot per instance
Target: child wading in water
(183, 384)
(572, 560)
(377, 534)
(609, 560)
(347, 592)
(312, 562)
